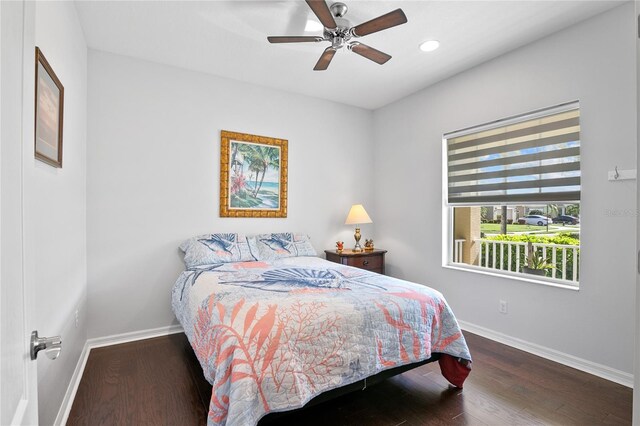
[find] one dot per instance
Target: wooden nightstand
(370, 260)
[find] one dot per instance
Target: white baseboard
(581, 364)
(18, 416)
(132, 336)
(70, 394)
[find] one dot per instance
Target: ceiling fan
(339, 32)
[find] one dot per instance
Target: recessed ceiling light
(429, 45)
(313, 25)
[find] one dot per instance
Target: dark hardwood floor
(159, 382)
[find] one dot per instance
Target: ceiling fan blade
(391, 19)
(369, 53)
(321, 10)
(325, 59)
(294, 39)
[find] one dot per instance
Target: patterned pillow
(277, 246)
(210, 249)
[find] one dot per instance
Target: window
(513, 195)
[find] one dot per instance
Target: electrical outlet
(502, 307)
(77, 318)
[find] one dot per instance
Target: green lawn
(494, 228)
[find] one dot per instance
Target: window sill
(549, 282)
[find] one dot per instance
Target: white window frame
(448, 211)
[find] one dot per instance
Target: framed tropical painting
(48, 118)
(253, 175)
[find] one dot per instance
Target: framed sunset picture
(49, 102)
(253, 175)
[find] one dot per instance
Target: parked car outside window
(567, 220)
(535, 219)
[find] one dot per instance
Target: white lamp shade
(357, 215)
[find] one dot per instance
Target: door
(18, 382)
(636, 369)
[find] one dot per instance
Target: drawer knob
(366, 262)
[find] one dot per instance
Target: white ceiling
(228, 39)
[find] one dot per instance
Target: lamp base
(357, 248)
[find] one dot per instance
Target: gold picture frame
(49, 106)
(253, 175)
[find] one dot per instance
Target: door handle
(51, 345)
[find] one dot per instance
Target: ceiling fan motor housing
(340, 35)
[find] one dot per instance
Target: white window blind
(534, 158)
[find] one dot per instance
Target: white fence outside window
(512, 256)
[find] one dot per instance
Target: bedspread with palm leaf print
(271, 336)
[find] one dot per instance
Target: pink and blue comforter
(271, 336)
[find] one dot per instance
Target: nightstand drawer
(370, 260)
(365, 262)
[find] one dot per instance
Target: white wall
(55, 209)
(593, 62)
(153, 176)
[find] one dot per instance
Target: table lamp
(357, 216)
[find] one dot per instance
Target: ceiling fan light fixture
(313, 26)
(429, 45)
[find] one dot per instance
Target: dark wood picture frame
(49, 107)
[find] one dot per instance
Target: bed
(271, 335)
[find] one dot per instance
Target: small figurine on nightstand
(368, 245)
(339, 246)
